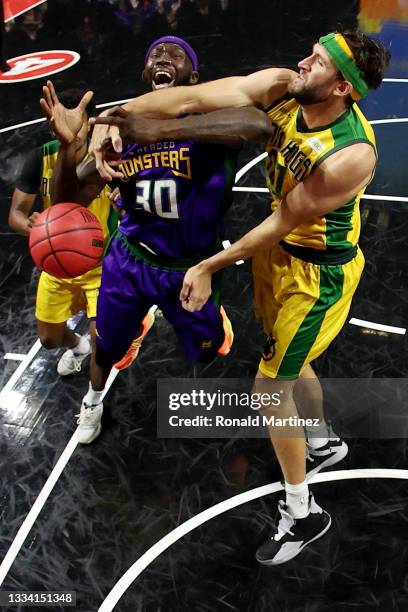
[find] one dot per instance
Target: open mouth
(162, 79)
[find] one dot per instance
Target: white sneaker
(70, 363)
(89, 423)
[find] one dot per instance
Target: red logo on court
(37, 65)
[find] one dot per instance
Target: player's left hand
(196, 288)
(31, 220)
(66, 123)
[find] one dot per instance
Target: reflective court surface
(129, 491)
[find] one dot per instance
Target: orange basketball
(66, 240)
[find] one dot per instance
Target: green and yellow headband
(341, 54)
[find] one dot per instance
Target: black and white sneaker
(292, 535)
(332, 452)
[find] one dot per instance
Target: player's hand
(114, 195)
(117, 124)
(104, 138)
(116, 201)
(65, 122)
(196, 288)
(31, 220)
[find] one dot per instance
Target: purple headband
(176, 41)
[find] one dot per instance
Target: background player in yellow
(307, 263)
(59, 299)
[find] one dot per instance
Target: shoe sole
(289, 557)
(96, 434)
(338, 456)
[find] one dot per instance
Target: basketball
(66, 240)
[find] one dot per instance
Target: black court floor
(123, 502)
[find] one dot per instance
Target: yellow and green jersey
(294, 152)
(36, 178)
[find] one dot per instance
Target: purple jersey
(174, 195)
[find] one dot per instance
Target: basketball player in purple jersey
(174, 193)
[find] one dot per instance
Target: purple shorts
(130, 286)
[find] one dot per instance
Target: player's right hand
(105, 137)
(65, 123)
(196, 288)
(121, 124)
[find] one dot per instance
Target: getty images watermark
(223, 399)
(205, 408)
(222, 408)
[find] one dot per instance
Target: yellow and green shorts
(58, 299)
(303, 305)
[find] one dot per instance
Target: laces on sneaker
(71, 361)
(86, 415)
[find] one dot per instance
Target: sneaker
(321, 458)
(292, 535)
(89, 423)
(70, 363)
(228, 334)
(134, 348)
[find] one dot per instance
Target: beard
(305, 95)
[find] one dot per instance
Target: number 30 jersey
(174, 196)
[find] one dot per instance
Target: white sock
(318, 436)
(92, 398)
(297, 499)
(82, 347)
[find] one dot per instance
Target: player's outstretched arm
(260, 89)
(335, 182)
(66, 124)
(231, 126)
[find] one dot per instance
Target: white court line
(368, 196)
(251, 189)
(249, 165)
(114, 103)
(15, 356)
(237, 500)
(396, 120)
(377, 326)
(18, 125)
(50, 483)
(363, 197)
(226, 244)
(36, 508)
(44, 494)
(19, 371)
(395, 80)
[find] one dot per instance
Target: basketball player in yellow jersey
(59, 299)
(307, 263)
